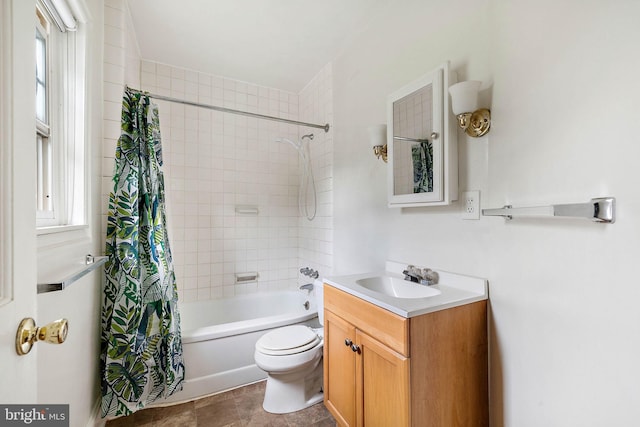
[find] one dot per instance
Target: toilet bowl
(292, 358)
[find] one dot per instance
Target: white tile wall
(121, 66)
(215, 161)
(316, 237)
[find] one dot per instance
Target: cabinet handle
(348, 342)
(355, 348)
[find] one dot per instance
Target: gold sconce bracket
(475, 124)
(28, 334)
(381, 151)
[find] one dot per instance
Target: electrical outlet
(471, 205)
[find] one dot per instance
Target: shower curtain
(422, 156)
(141, 348)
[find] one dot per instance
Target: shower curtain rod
(229, 110)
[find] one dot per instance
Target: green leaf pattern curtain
(422, 157)
(141, 347)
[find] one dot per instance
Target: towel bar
(91, 263)
(600, 209)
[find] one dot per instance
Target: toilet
(292, 358)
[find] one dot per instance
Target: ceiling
(276, 43)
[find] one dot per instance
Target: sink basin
(396, 287)
(388, 290)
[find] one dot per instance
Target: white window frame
(66, 123)
(44, 212)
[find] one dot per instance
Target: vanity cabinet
(381, 369)
(359, 365)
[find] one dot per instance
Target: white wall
(565, 331)
(563, 293)
(407, 40)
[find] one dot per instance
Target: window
(43, 148)
(59, 136)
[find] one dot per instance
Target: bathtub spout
(308, 287)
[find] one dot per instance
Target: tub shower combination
(219, 338)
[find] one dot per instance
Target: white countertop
(456, 290)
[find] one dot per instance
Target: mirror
(421, 143)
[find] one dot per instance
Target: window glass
(41, 77)
(44, 154)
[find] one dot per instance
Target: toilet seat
(288, 340)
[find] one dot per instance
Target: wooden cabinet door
(339, 369)
(382, 385)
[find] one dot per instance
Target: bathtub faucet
(308, 287)
(310, 272)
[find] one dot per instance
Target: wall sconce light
(474, 121)
(378, 139)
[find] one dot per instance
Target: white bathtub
(219, 337)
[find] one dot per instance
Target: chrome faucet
(310, 272)
(422, 276)
(308, 287)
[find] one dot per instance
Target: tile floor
(241, 407)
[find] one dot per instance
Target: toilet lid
(287, 340)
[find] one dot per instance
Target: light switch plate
(471, 205)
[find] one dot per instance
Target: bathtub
(219, 338)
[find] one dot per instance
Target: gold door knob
(54, 332)
(28, 333)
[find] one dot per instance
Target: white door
(17, 199)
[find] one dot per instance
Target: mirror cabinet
(422, 142)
